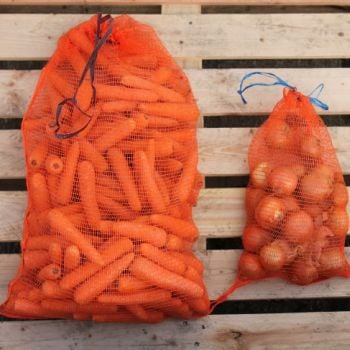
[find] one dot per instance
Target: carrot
(176, 308)
(187, 178)
(152, 296)
(113, 251)
(124, 175)
(147, 181)
(138, 311)
(187, 135)
(71, 258)
(94, 286)
(78, 220)
(198, 184)
(163, 146)
(35, 259)
(179, 111)
(90, 153)
(22, 294)
(39, 242)
(161, 122)
(29, 308)
(141, 232)
(60, 84)
(70, 209)
(74, 57)
(190, 260)
(124, 317)
(146, 270)
(130, 284)
(140, 120)
(33, 225)
(118, 106)
(120, 211)
(37, 157)
(161, 75)
(200, 305)
(55, 252)
(162, 187)
(165, 94)
(183, 210)
(52, 181)
(182, 228)
(108, 181)
(123, 93)
(111, 193)
(174, 243)
(115, 134)
(142, 61)
(67, 176)
(81, 41)
(171, 165)
(54, 165)
(35, 294)
(49, 272)
(162, 258)
(151, 153)
(51, 289)
(84, 94)
(65, 228)
(72, 307)
(87, 191)
(40, 196)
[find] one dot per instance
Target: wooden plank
(155, 2)
(265, 35)
(303, 331)
(220, 272)
(214, 89)
(225, 146)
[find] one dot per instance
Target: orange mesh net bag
(296, 197)
(111, 156)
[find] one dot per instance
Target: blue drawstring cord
(282, 82)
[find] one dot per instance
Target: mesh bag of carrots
(296, 197)
(111, 156)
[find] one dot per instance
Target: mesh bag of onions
(111, 156)
(296, 198)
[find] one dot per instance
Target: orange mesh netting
(296, 198)
(111, 155)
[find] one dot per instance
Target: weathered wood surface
(16, 88)
(34, 36)
(155, 2)
(302, 331)
(222, 151)
(219, 213)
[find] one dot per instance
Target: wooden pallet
(193, 38)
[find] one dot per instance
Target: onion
(273, 257)
(338, 177)
(338, 222)
(290, 203)
(279, 135)
(317, 185)
(340, 195)
(249, 267)
(299, 227)
(290, 252)
(311, 146)
(299, 170)
(332, 262)
(270, 212)
(303, 272)
(252, 198)
(259, 175)
(283, 181)
(254, 238)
